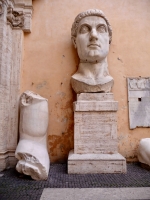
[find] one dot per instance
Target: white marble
(91, 34)
(139, 102)
(32, 148)
(144, 151)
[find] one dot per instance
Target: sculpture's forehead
(92, 20)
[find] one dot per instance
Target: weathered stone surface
(144, 151)
(96, 163)
(139, 102)
(95, 132)
(12, 136)
(95, 106)
(80, 86)
(32, 148)
(1, 8)
(95, 136)
(5, 74)
(95, 129)
(15, 17)
(91, 34)
(95, 97)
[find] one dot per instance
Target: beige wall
(50, 60)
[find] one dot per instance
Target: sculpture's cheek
(82, 44)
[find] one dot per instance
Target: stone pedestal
(95, 136)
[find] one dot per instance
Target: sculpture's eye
(84, 29)
(101, 29)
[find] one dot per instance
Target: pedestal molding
(95, 136)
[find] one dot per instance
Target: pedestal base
(7, 159)
(96, 163)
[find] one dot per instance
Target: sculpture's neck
(94, 70)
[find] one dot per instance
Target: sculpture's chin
(94, 56)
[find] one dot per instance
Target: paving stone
(95, 193)
(13, 186)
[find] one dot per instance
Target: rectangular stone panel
(95, 132)
(12, 136)
(139, 102)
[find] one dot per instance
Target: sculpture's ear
(74, 41)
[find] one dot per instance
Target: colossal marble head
(91, 34)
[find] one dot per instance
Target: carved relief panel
(139, 102)
(16, 19)
(1, 8)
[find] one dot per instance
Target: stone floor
(14, 186)
(95, 193)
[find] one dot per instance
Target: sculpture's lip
(93, 44)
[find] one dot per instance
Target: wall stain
(130, 146)
(119, 59)
(60, 143)
(59, 146)
(41, 85)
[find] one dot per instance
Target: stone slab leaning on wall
(139, 101)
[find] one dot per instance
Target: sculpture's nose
(93, 34)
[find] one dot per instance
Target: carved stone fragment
(1, 8)
(144, 151)
(32, 148)
(15, 18)
(139, 102)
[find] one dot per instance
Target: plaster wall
(50, 59)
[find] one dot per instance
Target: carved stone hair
(90, 12)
